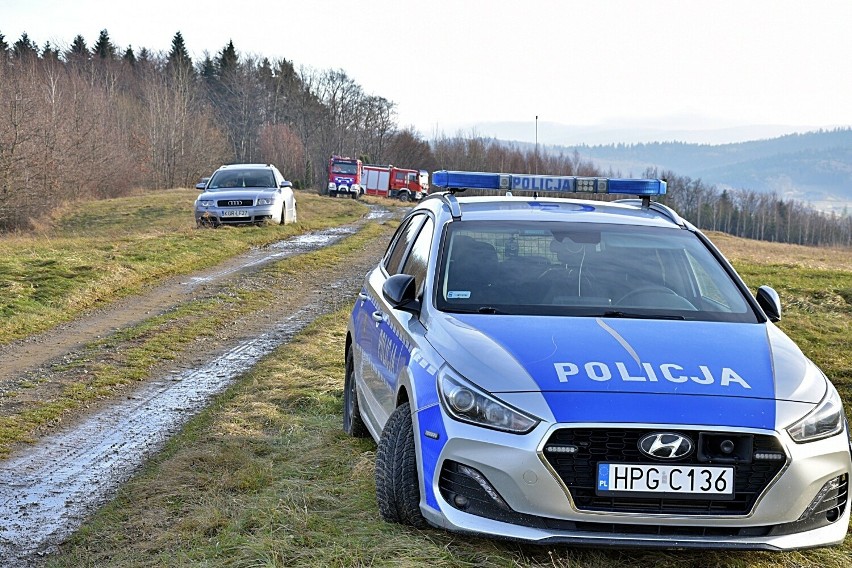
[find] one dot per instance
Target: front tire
(397, 484)
(352, 422)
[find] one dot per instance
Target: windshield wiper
(630, 315)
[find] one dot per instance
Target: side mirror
(286, 183)
(768, 300)
(400, 291)
(202, 186)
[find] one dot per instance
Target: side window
(418, 259)
(402, 241)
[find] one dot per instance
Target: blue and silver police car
(594, 373)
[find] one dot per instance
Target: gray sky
(681, 64)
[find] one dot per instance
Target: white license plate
(658, 478)
(235, 213)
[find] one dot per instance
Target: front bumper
(510, 490)
(225, 216)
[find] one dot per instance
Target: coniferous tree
(4, 48)
(207, 69)
(179, 59)
(129, 57)
(104, 48)
(78, 52)
(24, 48)
(227, 60)
(49, 52)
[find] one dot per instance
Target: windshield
(585, 269)
(344, 168)
(240, 179)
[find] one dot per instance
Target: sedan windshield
(239, 179)
(585, 269)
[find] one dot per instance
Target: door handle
(378, 316)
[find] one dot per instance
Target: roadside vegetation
(266, 477)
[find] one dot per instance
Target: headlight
(468, 403)
(205, 202)
(332, 186)
(823, 421)
(265, 201)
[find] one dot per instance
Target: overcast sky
(450, 63)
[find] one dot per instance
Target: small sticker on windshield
(458, 295)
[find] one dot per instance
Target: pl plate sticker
(458, 294)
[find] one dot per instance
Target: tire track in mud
(49, 489)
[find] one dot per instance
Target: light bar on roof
(527, 182)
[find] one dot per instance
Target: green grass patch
(103, 250)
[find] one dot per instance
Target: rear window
(585, 269)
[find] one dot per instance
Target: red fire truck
(344, 176)
(389, 181)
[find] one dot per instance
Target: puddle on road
(289, 247)
(50, 489)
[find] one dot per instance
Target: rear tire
(397, 483)
(352, 422)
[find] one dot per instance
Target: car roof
(246, 166)
(520, 208)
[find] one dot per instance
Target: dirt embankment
(48, 488)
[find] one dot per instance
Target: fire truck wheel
(332, 193)
(404, 196)
(353, 195)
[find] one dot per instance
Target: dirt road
(47, 489)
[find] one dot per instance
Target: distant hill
(814, 167)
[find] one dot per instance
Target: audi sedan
(245, 194)
(592, 373)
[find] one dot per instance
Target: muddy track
(48, 489)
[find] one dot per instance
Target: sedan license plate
(657, 479)
(235, 213)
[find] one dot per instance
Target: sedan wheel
(397, 486)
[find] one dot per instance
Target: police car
(594, 373)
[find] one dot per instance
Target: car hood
(606, 355)
(252, 194)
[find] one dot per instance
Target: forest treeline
(83, 122)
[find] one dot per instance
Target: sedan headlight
(823, 421)
(465, 402)
(205, 202)
(265, 201)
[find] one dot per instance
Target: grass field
(103, 250)
(266, 477)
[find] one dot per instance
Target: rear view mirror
(400, 291)
(768, 300)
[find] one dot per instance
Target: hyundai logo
(665, 445)
(235, 203)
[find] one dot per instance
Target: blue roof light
(527, 182)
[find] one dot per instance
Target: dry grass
(761, 252)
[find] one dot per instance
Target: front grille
(468, 495)
(235, 202)
(579, 473)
